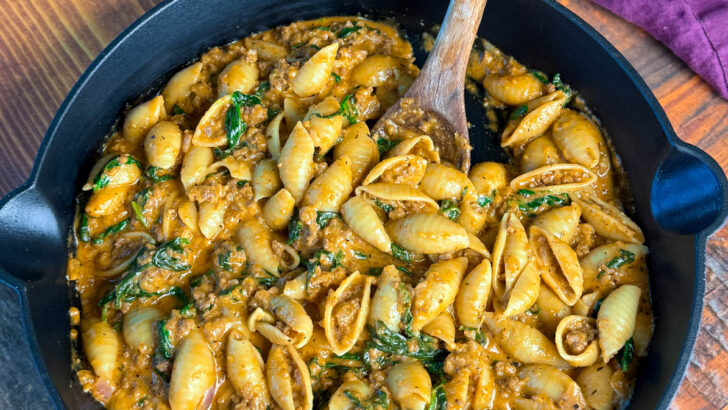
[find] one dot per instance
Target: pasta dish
(245, 241)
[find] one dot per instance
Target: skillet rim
(675, 144)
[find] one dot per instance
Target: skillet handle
(689, 192)
(28, 231)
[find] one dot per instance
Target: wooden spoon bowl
(437, 96)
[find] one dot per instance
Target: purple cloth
(695, 30)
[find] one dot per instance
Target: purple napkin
(695, 30)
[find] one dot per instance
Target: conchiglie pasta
(288, 378)
(142, 118)
(514, 89)
(525, 343)
(595, 382)
(240, 75)
(488, 177)
(330, 189)
(576, 340)
(296, 162)
(315, 72)
(138, 328)
(577, 138)
(386, 305)
(442, 327)
(428, 233)
(540, 152)
(554, 384)
(561, 222)
(536, 121)
(472, 298)
(360, 148)
(616, 319)
(364, 221)
(609, 221)
(210, 218)
(255, 239)
(162, 144)
(266, 181)
(193, 373)
(410, 385)
(102, 347)
(245, 370)
(560, 265)
(195, 166)
(178, 87)
(437, 291)
(278, 210)
(346, 311)
(341, 400)
(443, 182)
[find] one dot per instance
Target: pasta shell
(608, 221)
(386, 306)
(330, 189)
(616, 319)
(421, 146)
(375, 70)
(402, 169)
(551, 309)
(595, 382)
(557, 178)
(362, 219)
(443, 182)
(511, 254)
(245, 370)
(210, 131)
(211, 218)
(240, 75)
(477, 246)
(296, 162)
(538, 153)
(595, 261)
(523, 294)
(410, 385)
(142, 118)
(523, 342)
(581, 327)
(288, 378)
(535, 122)
(578, 138)
(358, 388)
(346, 311)
(239, 169)
(162, 144)
(488, 177)
(560, 222)
(278, 210)
(313, 75)
(472, 299)
(292, 111)
(266, 50)
(428, 233)
(443, 328)
(266, 180)
(106, 201)
(324, 132)
(115, 171)
(360, 148)
(193, 374)
(255, 240)
(195, 166)
(138, 329)
(560, 265)
(554, 384)
(178, 87)
(485, 390)
(437, 291)
(102, 347)
(472, 217)
(290, 312)
(273, 137)
(513, 89)
(396, 193)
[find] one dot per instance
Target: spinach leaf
(484, 200)
(177, 110)
(125, 290)
(525, 192)
(450, 209)
(323, 218)
(267, 281)
(477, 333)
(162, 258)
(540, 76)
(336, 77)
(385, 207)
(197, 280)
(379, 400)
(348, 109)
(375, 271)
(235, 127)
(102, 179)
(348, 30)
(438, 398)
(152, 173)
(83, 231)
(139, 215)
(295, 226)
(518, 113)
(263, 88)
(626, 354)
(223, 260)
(165, 346)
(360, 255)
(401, 253)
(384, 145)
(625, 257)
(548, 199)
(534, 309)
(98, 240)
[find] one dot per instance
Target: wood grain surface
(46, 44)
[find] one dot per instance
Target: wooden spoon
(439, 89)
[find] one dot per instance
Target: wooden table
(46, 44)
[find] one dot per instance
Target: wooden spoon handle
(448, 60)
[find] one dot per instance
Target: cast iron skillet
(680, 192)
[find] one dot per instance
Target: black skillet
(680, 193)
